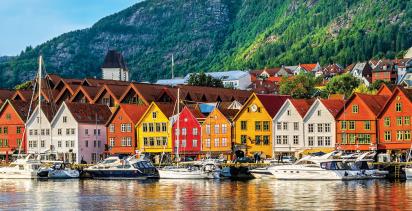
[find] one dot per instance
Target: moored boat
(198, 170)
(22, 168)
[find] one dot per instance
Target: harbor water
(204, 195)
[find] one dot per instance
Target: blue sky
(32, 22)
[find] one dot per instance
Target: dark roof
(374, 102)
(114, 59)
(333, 69)
(89, 113)
(101, 82)
(25, 95)
(228, 113)
(49, 110)
(195, 111)
(166, 108)
(384, 66)
(21, 107)
(272, 103)
(6, 94)
(302, 105)
(333, 106)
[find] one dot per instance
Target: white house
(362, 71)
(236, 79)
(79, 131)
(288, 127)
(320, 125)
(114, 67)
(39, 136)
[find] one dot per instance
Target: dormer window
(154, 115)
(319, 112)
(64, 119)
(288, 112)
(355, 109)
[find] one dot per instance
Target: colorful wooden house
(253, 124)
(121, 130)
(13, 115)
(217, 133)
(356, 127)
(154, 130)
(395, 121)
(186, 133)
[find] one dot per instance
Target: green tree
(362, 88)
(299, 86)
(342, 84)
(23, 86)
(201, 79)
(377, 84)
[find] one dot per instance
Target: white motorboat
(408, 172)
(262, 173)
(362, 163)
(58, 171)
(116, 168)
(22, 168)
(202, 170)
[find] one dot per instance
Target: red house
(189, 136)
(356, 123)
(121, 130)
(13, 115)
(395, 121)
(385, 71)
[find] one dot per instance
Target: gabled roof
(384, 65)
(48, 109)
(48, 94)
(195, 111)
(53, 77)
(114, 59)
(25, 95)
(21, 108)
(101, 82)
(89, 113)
(114, 90)
(308, 67)
(375, 103)
(134, 112)
(333, 69)
(89, 92)
(166, 108)
(386, 89)
(333, 106)
(148, 92)
(228, 113)
(6, 94)
(272, 103)
(302, 105)
(406, 92)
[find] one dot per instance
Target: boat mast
(173, 67)
(178, 124)
(38, 112)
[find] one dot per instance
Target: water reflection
(210, 194)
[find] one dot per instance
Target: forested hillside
(210, 35)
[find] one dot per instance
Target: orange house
(13, 115)
(395, 121)
(121, 130)
(217, 133)
(356, 123)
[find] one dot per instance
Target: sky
(31, 22)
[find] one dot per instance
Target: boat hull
(10, 174)
(63, 174)
(119, 174)
(315, 174)
(186, 174)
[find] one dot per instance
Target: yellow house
(253, 124)
(153, 129)
(217, 133)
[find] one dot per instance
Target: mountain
(208, 35)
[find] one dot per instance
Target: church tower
(114, 67)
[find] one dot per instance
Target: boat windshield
(334, 165)
(108, 161)
(360, 165)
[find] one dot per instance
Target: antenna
(173, 67)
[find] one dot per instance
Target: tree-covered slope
(209, 35)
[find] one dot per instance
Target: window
(266, 140)
(208, 129)
(123, 128)
(111, 128)
(194, 143)
(72, 131)
(327, 127)
(320, 140)
(224, 128)
(216, 129)
(266, 125)
(184, 131)
(158, 141)
(184, 143)
(59, 131)
(344, 138)
(67, 131)
(364, 138)
(6, 143)
(67, 144)
(31, 132)
(207, 141)
(94, 143)
(327, 140)
(398, 107)
(284, 139)
(399, 135)
(285, 126)
(310, 140)
(296, 140)
(296, 126)
(144, 127)
(288, 112)
(257, 140)
(151, 141)
(367, 125)
(6, 130)
(72, 144)
(64, 119)
(154, 115)
(94, 157)
(278, 125)
(194, 130)
(355, 108)
(47, 131)
(319, 112)
(86, 143)
(351, 125)
(243, 139)
(164, 127)
(387, 135)
(157, 127)
(258, 125)
(164, 141)
(407, 120)
(129, 141)
(343, 125)
(399, 121)
(243, 125)
(407, 135)
(320, 128)
(42, 143)
(18, 130)
(224, 142)
(86, 131)
(387, 121)
(59, 144)
(151, 129)
(352, 138)
(310, 128)
(8, 116)
(216, 142)
(278, 139)
(145, 142)
(42, 132)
